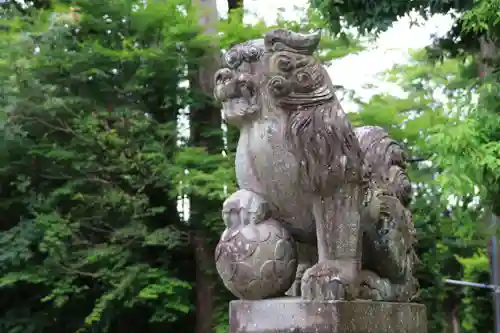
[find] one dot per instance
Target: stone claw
(244, 207)
(365, 292)
(327, 281)
(374, 288)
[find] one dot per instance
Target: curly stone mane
(317, 130)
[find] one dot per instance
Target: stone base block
(294, 315)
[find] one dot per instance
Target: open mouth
(240, 107)
(239, 103)
(238, 97)
(238, 94)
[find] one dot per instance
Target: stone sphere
(257, 261)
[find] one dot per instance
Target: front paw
(244, 207)
(330, 280)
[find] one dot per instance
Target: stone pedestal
(293, 315)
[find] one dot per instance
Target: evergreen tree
(91, 240)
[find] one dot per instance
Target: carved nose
(225, 85)
(223, 75)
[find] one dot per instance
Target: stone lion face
(237, 86)
(275, 74)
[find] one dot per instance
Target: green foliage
(450, 118)
(473, 19)
(90, 228)
(476, 268)
(467, 151)
(371, 16)
(454, 169)
(484, 17)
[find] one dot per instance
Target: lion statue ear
(286, 40)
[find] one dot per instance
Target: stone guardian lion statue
(342, 193)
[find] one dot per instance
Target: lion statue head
(275, 74)
(279, 77)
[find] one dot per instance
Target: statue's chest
(266, 166)
(272, 163)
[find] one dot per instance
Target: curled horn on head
(286, 40)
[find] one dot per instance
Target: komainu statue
(322, 208)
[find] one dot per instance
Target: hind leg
(388, 255)
(375, 288)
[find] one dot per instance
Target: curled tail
(389, 233)
(385, 161)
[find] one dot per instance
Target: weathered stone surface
(341, 190)
(294, 315)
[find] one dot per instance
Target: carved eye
(233, 59)
(304, 80)
(252, 54)
(285, 64)
(279, 86)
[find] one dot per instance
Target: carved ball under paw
(257, 261)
